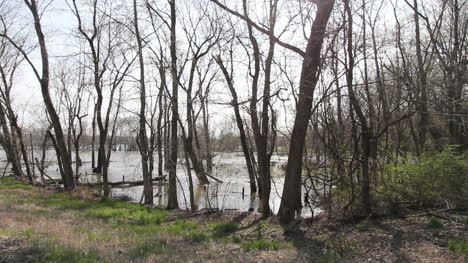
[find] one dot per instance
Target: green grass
(459, 247)
(57, 253)
(263, 245)
(12, 183)
(182, 227)
(223, 229)
(135, 223)
(115, 212)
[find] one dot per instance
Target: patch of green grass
(459, 247)
(198, 236)
(262, 245)
(57, 253)
(148, 248)
(224, 229)
(435, 224)
(28, 233)
(9, 233)
(111, 211)
(101, 236)
(12, 183)
(182, 227)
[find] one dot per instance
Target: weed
(261, 226)
(262, 245)
(339, 246)
(459, 247)
(198, 236)
(236, 240)
(149, 248)
(221, 229)
(28, 233)
(56, 253)
(435, 224)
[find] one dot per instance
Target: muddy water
(230, 168)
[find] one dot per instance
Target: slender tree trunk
(160, 132)
(172, 202)
(142, 136)
(93, 139)
(240, 125)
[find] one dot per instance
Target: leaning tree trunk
(67, 175)
(240, 125)
(291, 197)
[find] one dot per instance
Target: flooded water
(230, 168)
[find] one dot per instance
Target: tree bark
(172, 202)
(291, 197)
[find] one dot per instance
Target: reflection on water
(230, 168)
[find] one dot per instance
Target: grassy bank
(38, 225)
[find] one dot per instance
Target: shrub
(432, 180)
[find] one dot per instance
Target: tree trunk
(172, 202)
(240, 125)
(69, 183)
(291, 197)
(142, 136)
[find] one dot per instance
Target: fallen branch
(127, 183)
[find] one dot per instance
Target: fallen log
(127, 183)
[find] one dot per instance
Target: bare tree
(43, 79)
